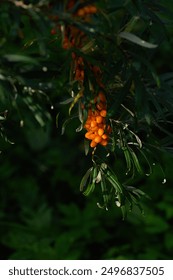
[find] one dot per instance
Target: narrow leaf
(89, 189)
(67, 101)
(136, 161)
(137, 40)
(57, 119)
(65, 124)
(85, 178)
(20, 58)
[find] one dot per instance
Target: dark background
(43, 214)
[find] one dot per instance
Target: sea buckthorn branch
(100, 129)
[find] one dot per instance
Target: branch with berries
(107, 118)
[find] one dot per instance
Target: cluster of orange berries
(86, 10)
(97, 129)
(74, 36)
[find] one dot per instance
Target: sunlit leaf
(135, 39)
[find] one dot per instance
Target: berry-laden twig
(97, 129)
(93, 113)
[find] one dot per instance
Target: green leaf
(90, 188)
(67, 101)
(137, 40)
(66, 123)
(85, 178)
(76, 99)
(135, 161)
(104, 191)
(112, 178)
(20, 58)
(124, 211)
(57, 119)
(127, 158)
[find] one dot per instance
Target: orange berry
(80, 12)
(104, 142)
(103, 113)
(104, 136)
(89, 135)
(97, 139)
(93, 9)
(93, 144)
(93, 123)
(100, 131)
(87, 126)
(94, 129)
(99, 119)
(86, 10)
(102, 97)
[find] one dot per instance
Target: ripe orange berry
(93, 144)
(104, 142)
(97, 139)
(99, 119)
(93, 123)
(100, 131)
(93, 9)
(94, 129)
(89, 135)
(87, 126)
(104, 136)
(103, 113)
(86, 10)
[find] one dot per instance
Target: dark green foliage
(43, 214)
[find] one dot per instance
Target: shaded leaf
(66, 123)
(20, 58)
(85, 178)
